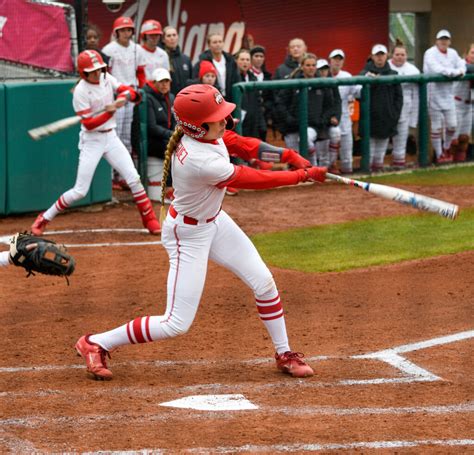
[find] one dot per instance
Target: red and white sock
(59, 206)
(270, 311)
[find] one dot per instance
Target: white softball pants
(124, 118)
(399, 142)
(189, 248)
(378, 148)
(442, 119)
(464, 118)
(93, 146)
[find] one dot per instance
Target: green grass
(367, 243)
(462, 175)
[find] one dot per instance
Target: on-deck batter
(97, 139)
(196, 230)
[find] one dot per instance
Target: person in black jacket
(296, 50)
(227, 72)
(161, 124)
(181, 68)
(320, 109)
(253, 121)
(386, 102)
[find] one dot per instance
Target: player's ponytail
(171, 147)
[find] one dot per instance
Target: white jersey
(124, 61)
(348, 93)
(154, 60)
(196, 168)
(448, 63)
(4, 255)
(89, 98)
(221, 67)
(463, 93)
(410, 93)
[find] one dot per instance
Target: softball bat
(418, 201)
(52, 128)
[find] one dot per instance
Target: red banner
(35, 34)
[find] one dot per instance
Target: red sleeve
(93, 122)
(141, 76)
(241, 146)
(253, 179)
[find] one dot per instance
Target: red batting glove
(317, 174)
(294, 159)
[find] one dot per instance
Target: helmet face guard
(199, 104)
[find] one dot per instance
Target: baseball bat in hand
(52, 128)
(418, 201)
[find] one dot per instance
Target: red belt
(188, 219)
(104, 131)
(460, 99)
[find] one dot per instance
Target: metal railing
(302, 84)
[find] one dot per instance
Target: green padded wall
(40, 171)
(3, 151)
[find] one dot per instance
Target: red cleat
(94, 355)
(293, 363)
(38, 227)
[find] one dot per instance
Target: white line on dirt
(175, 414)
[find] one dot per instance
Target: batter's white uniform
(154, 60)
(196, 230)
(441, 95)
(101, 141)
(409, 115)
(463, 101)
(4, 261)
(348, 94)
(123, 65)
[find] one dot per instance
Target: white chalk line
(392, 357)
(15, 444)
(40, 421)
(5, 239)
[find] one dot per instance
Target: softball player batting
(196, 229)
(97, 139)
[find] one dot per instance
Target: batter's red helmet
(89, 61)
(123, 22)
(198, 104)
(150, 27)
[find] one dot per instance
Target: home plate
(212, 403)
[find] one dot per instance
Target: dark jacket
(161, 122)
(232, 73)
(252, 104)
(268, 98)
(284, 70)
(386, 102)
(181, 68)
(331, 108)
(322, 105)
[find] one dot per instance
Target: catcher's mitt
(36, 254)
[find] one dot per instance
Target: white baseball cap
(160, 74)
(321, 63)
(443, 34)
(337, 53)
(379, 48)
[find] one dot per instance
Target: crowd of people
(159, 67)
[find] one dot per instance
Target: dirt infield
(391, 346)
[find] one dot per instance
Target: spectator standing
(161, 124)
(127, 64)
(155, 57)
(348, 94)
(93, 36)
(441, 59)
(329, 133)
(259, 70)
(296, 50)
(253, 121)
(286, 109)
(409, 114)
(227, 71)
(207, 75)
(181, 68)
(463, 100)
(386, 101)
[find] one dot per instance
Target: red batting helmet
(89, 61)
(198, 104)
(123, 22)
(150, 27)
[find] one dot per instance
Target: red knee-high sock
(147, 213)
